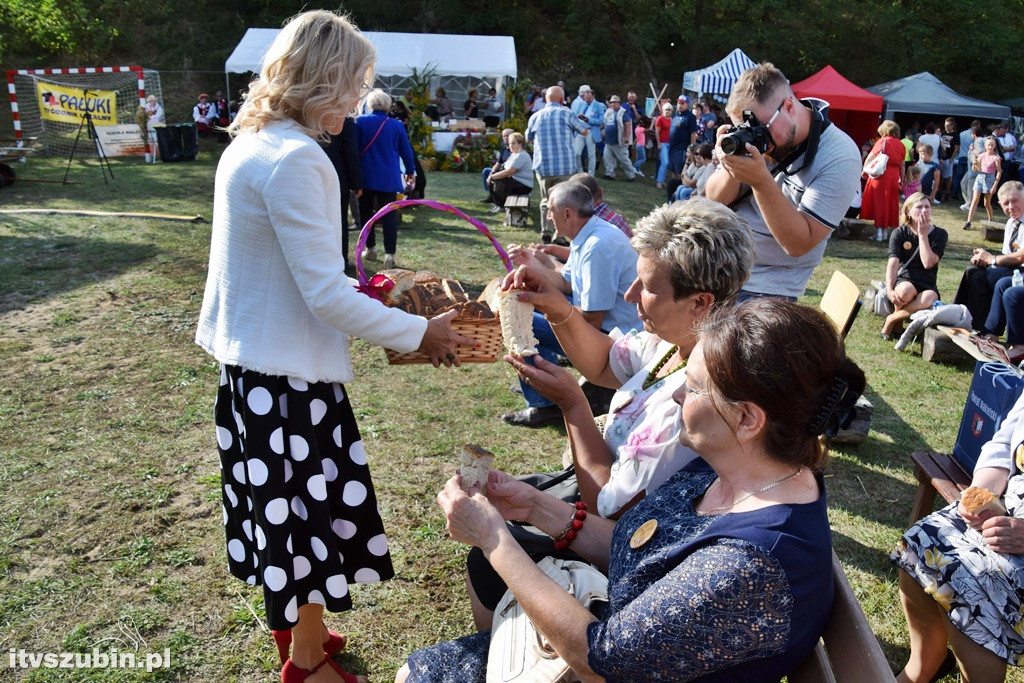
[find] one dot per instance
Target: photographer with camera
(791, 178)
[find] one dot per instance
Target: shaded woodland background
(612, 45)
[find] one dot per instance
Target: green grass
(111, 514)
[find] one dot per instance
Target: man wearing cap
(682, 134)
(618, 136)
(794, 196)
(591, 113)
(204, 114)
(551, 131)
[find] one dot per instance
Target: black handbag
(561, 484)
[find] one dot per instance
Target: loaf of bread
(474, 462)
(475, 310)
(454, 290)
(425, 276)
(516, 323)
(403, 280)
(977, 500)
(426, 294)
(490, 293)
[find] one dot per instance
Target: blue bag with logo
(994, 390)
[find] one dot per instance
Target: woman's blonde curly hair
(318, 66)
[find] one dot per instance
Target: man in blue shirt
(591, 112)
(600, 268)
(551, 130)
(682, 134)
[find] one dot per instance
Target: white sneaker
(964, 207)
(640, 173)
(494, 209)
(937, 203)
(370, 254)
(389, 261)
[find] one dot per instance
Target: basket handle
(402, 203)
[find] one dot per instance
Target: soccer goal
(50, 105)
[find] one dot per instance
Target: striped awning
(719, 77)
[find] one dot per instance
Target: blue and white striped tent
(719, 77)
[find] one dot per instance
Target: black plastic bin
(177, 142)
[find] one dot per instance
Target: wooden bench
(848, 651)
(936, 473)
(517, 210)
(854, 229)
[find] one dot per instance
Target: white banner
(122, 140)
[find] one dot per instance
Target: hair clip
(823, 417)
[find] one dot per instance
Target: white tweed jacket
(277, 299)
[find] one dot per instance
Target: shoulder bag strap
(374, 138)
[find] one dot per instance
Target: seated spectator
(503, 154)
(601, 210)
(470, 107)
(914, 252)
(980, 278)
(514, 177)
(204, 114)
(600, 268)
(692, 184)
(154, 112)
(742, 533)
(959, 573)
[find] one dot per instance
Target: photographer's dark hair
(787, 359)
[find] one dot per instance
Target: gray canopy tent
(923, 93)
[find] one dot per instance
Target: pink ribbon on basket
(375, 288)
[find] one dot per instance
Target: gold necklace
(744, 497)
(652, 376)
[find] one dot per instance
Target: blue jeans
(1007, 311)
(959, 170)
(549, 349)
(486, 173)
(662, 162)
(683, 193)
(641, 157)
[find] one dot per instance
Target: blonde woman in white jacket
(300, 512)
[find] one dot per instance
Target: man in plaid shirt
(551, 130)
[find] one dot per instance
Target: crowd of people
(702, 497)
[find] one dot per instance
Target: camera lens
(729, 144)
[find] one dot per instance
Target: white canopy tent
(459, 62)
(720, 76)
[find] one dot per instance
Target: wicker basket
(487, 332)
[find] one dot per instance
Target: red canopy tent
(853, 109)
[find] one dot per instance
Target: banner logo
(977, 425)
(68, 105)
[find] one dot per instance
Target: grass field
(110, 521)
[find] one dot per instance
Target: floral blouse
(643, 424)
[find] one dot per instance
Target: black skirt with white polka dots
(300, 513)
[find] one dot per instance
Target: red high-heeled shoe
(293, 673)
(334, 644)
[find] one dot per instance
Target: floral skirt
(980, 590)
(300, 512)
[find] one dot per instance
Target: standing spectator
(277, 315)
(443, 105)
(618, 135)
(990, 169)
(974, 149)
(881, 201)
(908, 144)
(930, 174)
(1008, 146)
(960, 162)
(705, 123)
(660, 132)
(514, 177)
(911, 275)
(682, 135)
(204, 114)
(343, 151)
(591, 112)
(640, 138)
(382, 143)
(930, 137)
(470, 107)
(493, 107)
(949, 151)
(551, 131)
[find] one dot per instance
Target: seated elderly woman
(961, 572)
(515, 175)
(723, 573)
(912, 271)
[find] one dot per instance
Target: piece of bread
(454, 290)
(490, 292)
(472, 310)
(404, 281)
(977, 500)
(474, 463)
(425, 276)
(516, 323)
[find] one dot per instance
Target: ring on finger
(450, 356)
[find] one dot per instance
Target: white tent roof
(397, 53)
(720, 76)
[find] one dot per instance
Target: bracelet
(575, 523)
(572, 309)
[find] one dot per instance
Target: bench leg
(924, 501)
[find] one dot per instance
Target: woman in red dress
(882, 195)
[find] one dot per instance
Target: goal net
(51, 104)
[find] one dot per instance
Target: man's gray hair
(706, 246)
(378, 100)
(572, 195)
(1010, 186)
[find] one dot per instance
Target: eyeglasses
(776, 114)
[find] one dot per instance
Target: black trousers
(975, 291)
(502, 188)
(369, 203)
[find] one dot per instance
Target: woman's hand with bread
(539, 289)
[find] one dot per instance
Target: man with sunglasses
(794, 195)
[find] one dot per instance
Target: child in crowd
(912, 181)
(930, 174)
(990, 170)
(640, 134)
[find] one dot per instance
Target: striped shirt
(551, 130)
(603, 211)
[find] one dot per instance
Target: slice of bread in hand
(977, 500)
(516, 323)
(473, 465)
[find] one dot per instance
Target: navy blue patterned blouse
(735, 597)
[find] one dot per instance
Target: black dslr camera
(752, 131)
